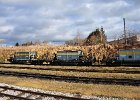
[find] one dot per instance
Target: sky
(61, 20)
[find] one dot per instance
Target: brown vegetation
(100, 51)
(96, 37)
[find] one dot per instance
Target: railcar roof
(21, 52)
(129, 49)
(69, 51)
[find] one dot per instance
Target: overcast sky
(60, 20)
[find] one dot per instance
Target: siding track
(87, 80)
(74, 70)
(19, 94)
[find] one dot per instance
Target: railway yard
(93, 82)
(64, 72)
(57, 50)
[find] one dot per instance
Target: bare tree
(76, 41)
(2, 41)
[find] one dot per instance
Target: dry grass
(84, 89)
(98, 50)
(79, 74)
(120, 68)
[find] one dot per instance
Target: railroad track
(97, 65)
(74, 70)
(87, 80)
(20, 94)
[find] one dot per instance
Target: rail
(87, 80)
(33, 95)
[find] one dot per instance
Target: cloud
(31, 20)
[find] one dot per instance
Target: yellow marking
(137, 53)
(21, 54)
(129, 53)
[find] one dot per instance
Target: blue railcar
(126, 57)
(130, 57)
(69, 57)
(25, 57)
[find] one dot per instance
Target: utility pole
(125, 37)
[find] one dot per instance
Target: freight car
(129, 57)
(76, 57)
(126, 57)
(25, 57)
(68, 57)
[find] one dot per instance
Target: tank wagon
(25, 57)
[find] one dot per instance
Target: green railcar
(69, 57)
(25, 57)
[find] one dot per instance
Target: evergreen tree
(17, 44)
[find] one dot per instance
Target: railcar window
(130, 56)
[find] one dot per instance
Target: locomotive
(76, 57)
